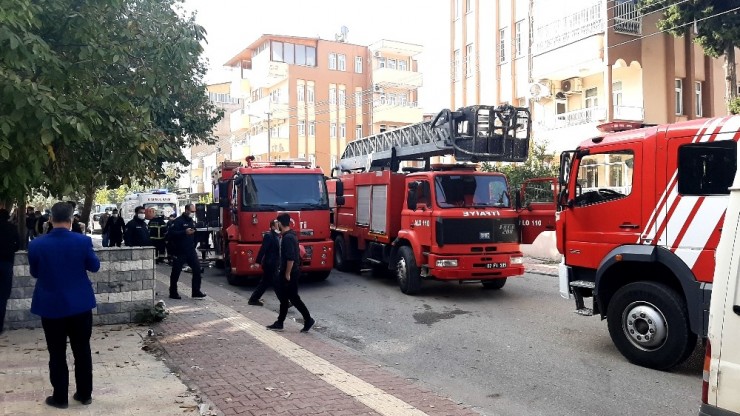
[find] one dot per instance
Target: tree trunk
(87, 207)
(730, 75)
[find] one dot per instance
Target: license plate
(495, 265)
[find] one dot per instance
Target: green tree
(539, 164)
(717, 26)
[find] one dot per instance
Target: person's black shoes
(53, 403)
(308, 324)
(199, 295)
(85, 402)
(255, 302)
(277, 326)
(175, 295)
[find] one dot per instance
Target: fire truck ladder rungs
(471, 134)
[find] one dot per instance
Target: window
(301, 92)
(617, 94)
(310, 94)
(403, 100)
(342, 100)
(381, 62)
(275, 96)
(342, 131)
(358, 64)
(457, 8)
(342, 63)
(468, 6)
(358, 98)
(502, 45)
(391, 63)
(604, 176)
(697, 97)
(300, 55)
(294, 54)
(518, 38)
(332, 95)
(333, 130)
(312, 128)
(301, 127)
(289, 53)
(707, 168)
(561, 106)
(471, 191)
(332, 61)
(457, 70)
(401, 65)
(358, 131)
(679, 96)
(277, 51)
(310, 56)
(592, 98)
(383, 128)
(469, 60)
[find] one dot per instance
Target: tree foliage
(539, 164)
(717, 25)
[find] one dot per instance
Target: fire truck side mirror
(339, 190)
(340, 201)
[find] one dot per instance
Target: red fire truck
(253, 195)
(443, 222)
(641, 212)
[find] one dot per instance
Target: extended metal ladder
(472, 134)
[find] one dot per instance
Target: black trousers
(79, 329)
(6, 284)
(269, 275)
(189, 257)
(159, 247)
(287, 292)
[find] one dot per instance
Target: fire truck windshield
(471, 191)
(268, 192)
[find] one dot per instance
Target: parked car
(95, 217)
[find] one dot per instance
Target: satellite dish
(342, 35)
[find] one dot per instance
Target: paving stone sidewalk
(220, 346)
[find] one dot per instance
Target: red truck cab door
(538, 204)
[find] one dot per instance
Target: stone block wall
(123, 287)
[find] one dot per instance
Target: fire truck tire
(494, 284)
(409, 278)
(649, 324)
(341, 262)
(230, 276)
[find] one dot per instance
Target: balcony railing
(578, 117)
(627, 18)
(582, 24)
(628, 113)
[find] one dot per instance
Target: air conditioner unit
(376, 54)
(539, 90)
(377, 88)
(572, 86)
(301, 155)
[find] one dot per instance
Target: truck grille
(476, 230)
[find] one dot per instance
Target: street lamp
(269, 132)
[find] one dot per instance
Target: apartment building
(586, 62)
(308, 96)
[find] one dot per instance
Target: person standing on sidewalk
(9, 244)
(114, 228)
(290, 270)
(182, 235)
(30, 224)
(64, 299)
(269, 258)
(104, 217)
(137, 233)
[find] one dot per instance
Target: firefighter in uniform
(157, 232)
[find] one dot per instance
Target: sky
(234, 24)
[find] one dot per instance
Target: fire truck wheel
(649, 324)
(230, 276)
(409, 278)
(341, 262)
(494, 284)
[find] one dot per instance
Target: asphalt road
(518, 351)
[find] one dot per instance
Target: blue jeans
(6, 283)
(105, 240)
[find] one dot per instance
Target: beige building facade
(587, 62)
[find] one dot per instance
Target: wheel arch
(650, 263)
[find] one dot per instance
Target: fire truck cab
(640, 216)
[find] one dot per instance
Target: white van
(721, 387)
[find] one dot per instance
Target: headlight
(447, 263)
(517, 260)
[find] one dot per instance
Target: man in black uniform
(137, 233)
(114, 228)
(287, 282)
(269, 258)
(182, 235)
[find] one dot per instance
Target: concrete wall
(124, 286)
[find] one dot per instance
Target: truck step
(585, 311)
(583, 283)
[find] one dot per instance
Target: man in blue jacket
(64, 298)
(181, 234)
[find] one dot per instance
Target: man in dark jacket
(182, 235)
(168, 243)
(137, 233)
(64, 299)
(77, 224)
(157, 232)
(269, 258)
(287, 282)
(30, 224)
(9, 244)
(114, 228)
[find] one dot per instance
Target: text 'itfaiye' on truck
(251, 196)
(640, 216)
(441, 222)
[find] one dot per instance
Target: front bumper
(476, 267)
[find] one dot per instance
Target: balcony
(268, 74)
(627, 18)
(582, 24)
(628, 113)
(396, 78)
(265, 105)
(388, 113)
(579, 117)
